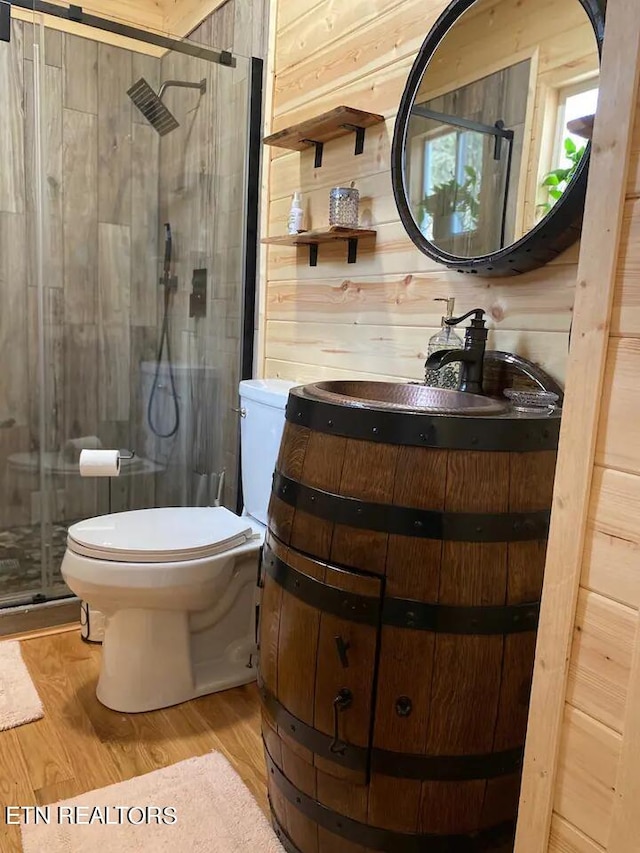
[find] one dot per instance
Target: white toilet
(177, 585)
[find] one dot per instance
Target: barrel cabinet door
(318, 650)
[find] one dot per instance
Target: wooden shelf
(313, 239)
(582, 126)
(325, 235)
(315, 132)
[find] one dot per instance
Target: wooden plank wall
(595, 801)
(373, 318)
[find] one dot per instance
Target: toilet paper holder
(123, 455)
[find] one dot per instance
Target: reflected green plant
(556, 182)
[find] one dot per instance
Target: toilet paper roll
(100, 463)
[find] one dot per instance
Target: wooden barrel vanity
(401, 579)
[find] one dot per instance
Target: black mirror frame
(559, 229)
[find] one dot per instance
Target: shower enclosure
(128, 226)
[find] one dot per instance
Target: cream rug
(19, 700)
(201, 804)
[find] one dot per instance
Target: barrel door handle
(343, 647)
(343, 700)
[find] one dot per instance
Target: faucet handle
(478, 321)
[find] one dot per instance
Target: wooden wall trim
(260, 341)
(597, 269)
(625, 830)
(141, 13)
(102, 36)
(566, 838)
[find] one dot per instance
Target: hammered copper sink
(404, 398)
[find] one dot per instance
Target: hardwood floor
(81, 745)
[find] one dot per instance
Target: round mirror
(491, 145)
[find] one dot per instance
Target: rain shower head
(151, 106)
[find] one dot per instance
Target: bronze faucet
(471, 357)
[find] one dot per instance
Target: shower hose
(165, 342)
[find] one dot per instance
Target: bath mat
(197, 806)
(19, 700)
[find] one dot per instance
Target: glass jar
(343, 207)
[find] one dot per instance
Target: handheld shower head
(151, 106)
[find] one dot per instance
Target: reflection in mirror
(500, 122)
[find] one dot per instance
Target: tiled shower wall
(202, 169)
(100, 270)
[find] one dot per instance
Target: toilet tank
(263, 402)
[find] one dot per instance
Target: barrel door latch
(343, 700)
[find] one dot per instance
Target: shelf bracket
(313, 254)
(319, 146)
(353, 250)
(359, 132)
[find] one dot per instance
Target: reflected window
(452, 177)
(464, 160)
(577, 104)
(574, 102)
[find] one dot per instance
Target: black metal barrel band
(330, 599)
(402, 765)
(377, 838)
(413, 429)
(407, 521)
(400, 612)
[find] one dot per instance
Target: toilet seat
(163, 535)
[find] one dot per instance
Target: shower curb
(39, 617)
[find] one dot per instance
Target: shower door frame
(54, 611)
(77, 15)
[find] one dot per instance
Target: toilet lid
(160, 535)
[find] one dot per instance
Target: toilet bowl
(177, 585)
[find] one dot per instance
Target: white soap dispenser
(296, 214)
(449, 375)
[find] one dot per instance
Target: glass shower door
(122, 277)
(24, 537)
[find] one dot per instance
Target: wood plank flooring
(80, 745)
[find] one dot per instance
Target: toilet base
(147, 663)
(145, 660)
